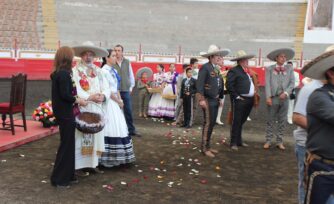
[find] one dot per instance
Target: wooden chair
(16, 103)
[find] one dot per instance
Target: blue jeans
(300, 154)
(330, 199)
(125, 95)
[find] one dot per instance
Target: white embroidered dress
(97, 84)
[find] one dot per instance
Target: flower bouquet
(44, 114)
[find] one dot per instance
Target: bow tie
(280, 69)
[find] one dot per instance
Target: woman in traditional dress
(154, 106)
(168, 104)
(93, 86)
(63, 99)
(118, 143)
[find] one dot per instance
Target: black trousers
(240, 111)
(187, 109)
(63, 171)
(210, 115)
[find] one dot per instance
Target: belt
(312, 156)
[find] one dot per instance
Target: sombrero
(142, 70)
(317, 68)
(89, 46)
(241, 54)
(215, 50)
(289, 53)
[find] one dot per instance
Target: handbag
(293, 94)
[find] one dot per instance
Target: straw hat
(143, 70)
(241, 54)
(215, 50)
(289, 53)
(317, 68)
(89, 46)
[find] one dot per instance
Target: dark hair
(184, 66)
(119, 45)
(161, 66)
(326, 75)
(188, 69)
(104, 59)
(193, 61)
(63, 59)
(289, 62)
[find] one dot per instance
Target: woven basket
(154, 90)
(169, 96)
(90, 122)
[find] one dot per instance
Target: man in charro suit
(279, 84)
(210, 92)
(242, 90)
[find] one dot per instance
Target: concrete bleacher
(160, 26)
(20, 20)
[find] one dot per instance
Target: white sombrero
(215, 50)
(317, 68)
(289, 53)
(241, 54)
(89, 46)
(146, 70)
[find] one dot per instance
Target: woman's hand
(121, 104)
(81, 102)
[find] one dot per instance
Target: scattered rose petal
(180, 164)
(218, 176)
(22, 155)
(195, 160)
(4, 160)
(204, 181)
(182, 158)
(140, 171)
(162, 162)
(199, 164)
(156, 169)
(179, 184)
(191, 173)
(195, 171)
(165, 170)
(194, 147)
(43, 181)
(190, 159)
(123, 183)
(135, 180)
(145, 177)
(189, 164)
(217, 168)
(160, 177)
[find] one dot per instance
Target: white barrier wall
(255, 1)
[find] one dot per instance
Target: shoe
(219, 122)
(214, 151)
(244, 145)
(234, 148)
(97, 171)
(266, 146)
(290, 122)
(280, 146)
(249, 119)
(135, 134)
(81, 173)
(62, 186)
(140, 115)
(209, 154)
(188, 126)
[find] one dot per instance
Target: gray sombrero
(215, 50)
(89, 46)
(317, 68)
(241, 54)
(289, 53)
(142, 70)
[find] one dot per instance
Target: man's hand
(269, 102)
(283, 96)
(187, 93)
(202, 103)
(221, 103)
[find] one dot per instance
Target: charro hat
(289, 53)
(241, 54)
(89, 46)
(215, 50)
(317, 68)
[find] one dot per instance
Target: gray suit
(277, 83)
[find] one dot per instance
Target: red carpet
(35, 131)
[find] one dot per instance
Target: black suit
(238, 83)
(188, 87)
(62, 104)
(210, 88)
